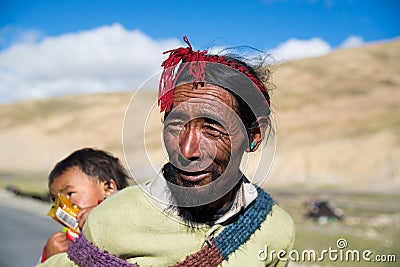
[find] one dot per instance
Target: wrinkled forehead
(204, 96)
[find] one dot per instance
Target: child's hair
(94, 163)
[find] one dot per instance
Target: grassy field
(371, 221)
(30, 182)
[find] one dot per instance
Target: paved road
(22, 235)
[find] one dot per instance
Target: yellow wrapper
(65, 211)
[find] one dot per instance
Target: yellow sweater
(130, 227)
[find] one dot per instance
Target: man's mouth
(193, 176)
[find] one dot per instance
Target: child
(86, 177)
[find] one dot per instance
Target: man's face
(203, 136)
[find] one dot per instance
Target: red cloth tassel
(197, 61)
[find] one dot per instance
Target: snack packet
(65, 211)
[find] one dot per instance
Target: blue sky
(50, 48)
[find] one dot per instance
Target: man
(201, 210)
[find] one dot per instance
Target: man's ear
(257, 136)
(110, 187)
(255, 139)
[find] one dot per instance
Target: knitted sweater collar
(246, 195)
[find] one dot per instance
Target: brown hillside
(338, 121)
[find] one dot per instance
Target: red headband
(167, 81)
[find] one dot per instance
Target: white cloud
(295, 48)
(352, 41)
(10, 34)
(107, 58)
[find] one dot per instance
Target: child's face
(81, 189)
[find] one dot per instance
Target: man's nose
(190, 142)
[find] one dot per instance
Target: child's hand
(82, 215)
(57, 243)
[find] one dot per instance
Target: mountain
(338, 119)
(337, 125)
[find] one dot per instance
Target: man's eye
(174, 126)
(212, 131)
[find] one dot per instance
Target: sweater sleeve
(59, 260)
(284, 262)
(283, 240)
